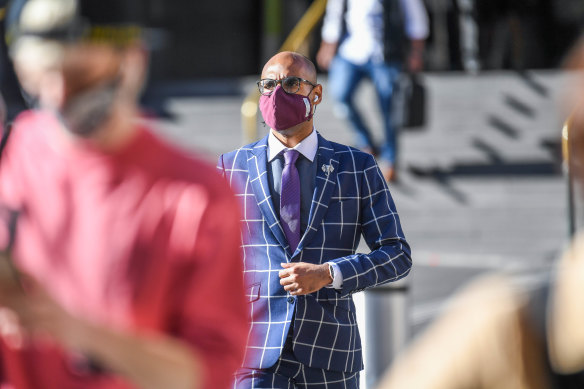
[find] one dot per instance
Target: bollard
(387, 327)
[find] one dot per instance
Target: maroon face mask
(282, 110)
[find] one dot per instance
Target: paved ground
(480, 186)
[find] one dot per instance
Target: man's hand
(303, 278)
(36, 313)
(325, 54)
(42, 316)
(10, 330)
(415, 62)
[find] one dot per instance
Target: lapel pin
(328, 169)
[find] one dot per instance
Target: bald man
(306, 201)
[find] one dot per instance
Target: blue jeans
(344, 78)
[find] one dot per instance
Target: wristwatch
(332, 272)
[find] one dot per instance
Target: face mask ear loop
(313, 101)
(316, 98)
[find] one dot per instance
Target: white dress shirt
(364, 22)
(308, 148)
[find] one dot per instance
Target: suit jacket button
(291, 300)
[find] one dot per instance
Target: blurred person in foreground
(497, 334)
(365, 38)
(9, 87)
(128, 248)
(306, 202)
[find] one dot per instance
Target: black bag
(414, 101)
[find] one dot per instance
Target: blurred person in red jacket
(127, 249)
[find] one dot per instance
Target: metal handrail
(565, 137)
(249, 108)
(569, 174)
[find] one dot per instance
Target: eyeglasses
(290, 85)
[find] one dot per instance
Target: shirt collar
(307, 147)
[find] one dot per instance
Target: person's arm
(566, 312)
(416, 56)
(390, 256)
(149, 361)
(389, 260)
(417, 30)
(331, 33)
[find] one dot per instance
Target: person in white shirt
(365, 38)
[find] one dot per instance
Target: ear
(134, 68)
(317, 95)
(51, 89)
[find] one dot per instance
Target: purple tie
(290, 199)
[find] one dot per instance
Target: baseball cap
(115, 22)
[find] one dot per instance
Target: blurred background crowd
(464, 34)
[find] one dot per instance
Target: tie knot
(290, 156)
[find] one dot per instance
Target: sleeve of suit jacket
(390, 256)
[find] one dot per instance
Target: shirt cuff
(337, 279)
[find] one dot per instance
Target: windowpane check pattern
(351, 200)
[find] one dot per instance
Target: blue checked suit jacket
(350, 199)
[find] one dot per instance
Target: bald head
(280, 67)
(289, 63)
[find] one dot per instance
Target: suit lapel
(258, 176)
(326, 182)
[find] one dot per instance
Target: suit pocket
(332, 298)
(252, 292)
(343, 211)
